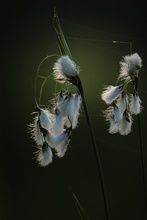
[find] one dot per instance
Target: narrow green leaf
(79, 207)
(63, 46)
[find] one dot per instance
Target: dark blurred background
(28, 191)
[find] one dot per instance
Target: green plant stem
(96, 157)
(142, 159)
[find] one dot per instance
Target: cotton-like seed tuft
(126, 124)
(44, 155)
(130, 67)
(135, 104)
(45, 119)
(73, 109)
(35, 131)
(110, 93)
(65, 69)
(113, 118)
(122, 102)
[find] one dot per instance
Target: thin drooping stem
(141, 149)
(45, 78)
(97, 157)
(142, 159)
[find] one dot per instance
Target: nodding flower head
(135, 103)
(44, 155)
(67, 108)
(113, 117)
(62, 147)
(45, 119)
(123, 102)
(73, 108)
(130, 67)
(65, 69)
(111, 93)
(126, 123)
(36, 133)
(60, 141)
(41, 125)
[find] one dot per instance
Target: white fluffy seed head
(61, 149)
(117, 114)
(60, 142)
(130, 67)
(113, 127)
(35, 131)
(58, 124)
(126, 124)
(61, 104)
(44, 155)
(45, 119)
(65, 69)
(73, 109)
(111, 93)
(122, 102)
(135, 104)
(113, 118)
(56, 139)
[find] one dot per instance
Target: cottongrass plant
(122, 104)
(52, 127)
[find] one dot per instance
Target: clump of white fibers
(45, 118)
(130, 67)
(35, 131)
(65, 69)
(61, 104)
(62, 147)
(66, 110)
(122, 102)
(110, 93)
(73, 109)
(60, 141)
(44, 155)
(113, 117)
(58, 124)
(41, 125)
(126, 123)
(55, 139)
(135, 104)
(60, 107)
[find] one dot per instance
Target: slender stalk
(96, 157)
(142, 159)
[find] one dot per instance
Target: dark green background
(31, 192)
